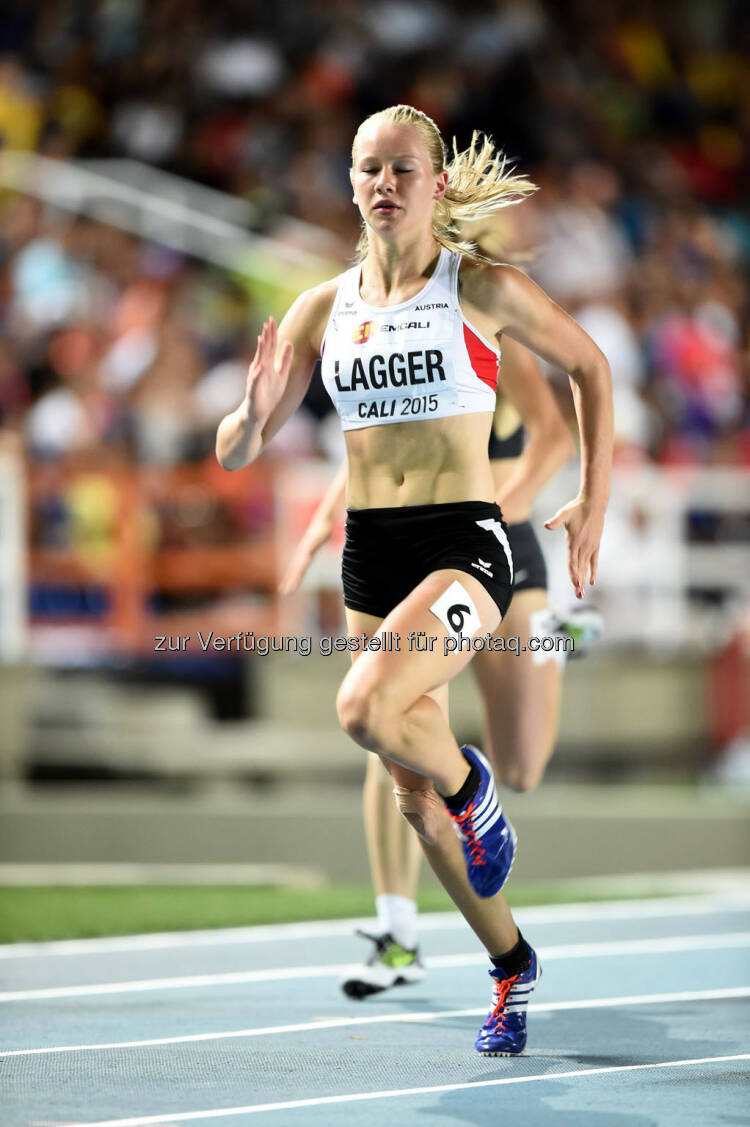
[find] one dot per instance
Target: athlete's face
(394, 185)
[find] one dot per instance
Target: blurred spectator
(149, 131)
(629, 118)
(581, 250)
(14, 391)
(163, 411)
(20, 107)
(635, 425)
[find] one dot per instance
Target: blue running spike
(488, 839)
(504, 1031)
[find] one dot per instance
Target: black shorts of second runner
(388, 552)
(530, 570)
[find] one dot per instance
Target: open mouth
(386, 206)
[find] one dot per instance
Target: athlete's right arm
(317, 532)
(277, 379)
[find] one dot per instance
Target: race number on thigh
(456, 610)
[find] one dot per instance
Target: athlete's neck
(389, 269)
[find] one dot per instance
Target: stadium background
(170, 173)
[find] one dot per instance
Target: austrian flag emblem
(362, 332)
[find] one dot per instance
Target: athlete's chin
(388, 226)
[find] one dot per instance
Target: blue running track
(640, 1020)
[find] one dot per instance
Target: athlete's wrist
(595, 504)
(244, 413)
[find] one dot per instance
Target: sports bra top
(417, 360)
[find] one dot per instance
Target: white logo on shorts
(494, 526)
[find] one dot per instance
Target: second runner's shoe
(389, 965)
(504, 1031)
(575, 631)
(487, 837)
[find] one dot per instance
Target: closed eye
(371, 171)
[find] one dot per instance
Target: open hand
(583, 524)
(268, 373)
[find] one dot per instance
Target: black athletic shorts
(530, 570)
(388, 552)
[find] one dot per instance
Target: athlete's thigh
(379, 766)
(521, 700)
(445, 605)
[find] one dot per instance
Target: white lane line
(249, 1109)
(417, 1016)
(429, 921)
(668, 944)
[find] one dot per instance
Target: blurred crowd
(629, 116)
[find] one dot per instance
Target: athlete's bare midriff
(431, 462)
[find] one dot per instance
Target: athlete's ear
(442, 185)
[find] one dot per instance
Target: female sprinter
(521, 698)
(408, 365)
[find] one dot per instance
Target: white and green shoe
(389, 965)
(565, 633)
(584, 625)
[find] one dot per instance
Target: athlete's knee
(521, 777)
(423, 809)
(516, 774)
(364, 715)
(353, 709)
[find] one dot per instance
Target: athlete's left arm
(523, 311)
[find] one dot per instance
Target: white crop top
(419, 359)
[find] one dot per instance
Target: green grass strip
(79, 912)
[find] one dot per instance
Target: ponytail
(480, 182)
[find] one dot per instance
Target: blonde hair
(480, 181)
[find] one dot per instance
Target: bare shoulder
(485, 284)
(308, 315)
(509, 297)
(319, 300)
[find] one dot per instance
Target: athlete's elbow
(227, 462)
(594, 372)
(232, 453)
(226, 456)
(235, 458)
